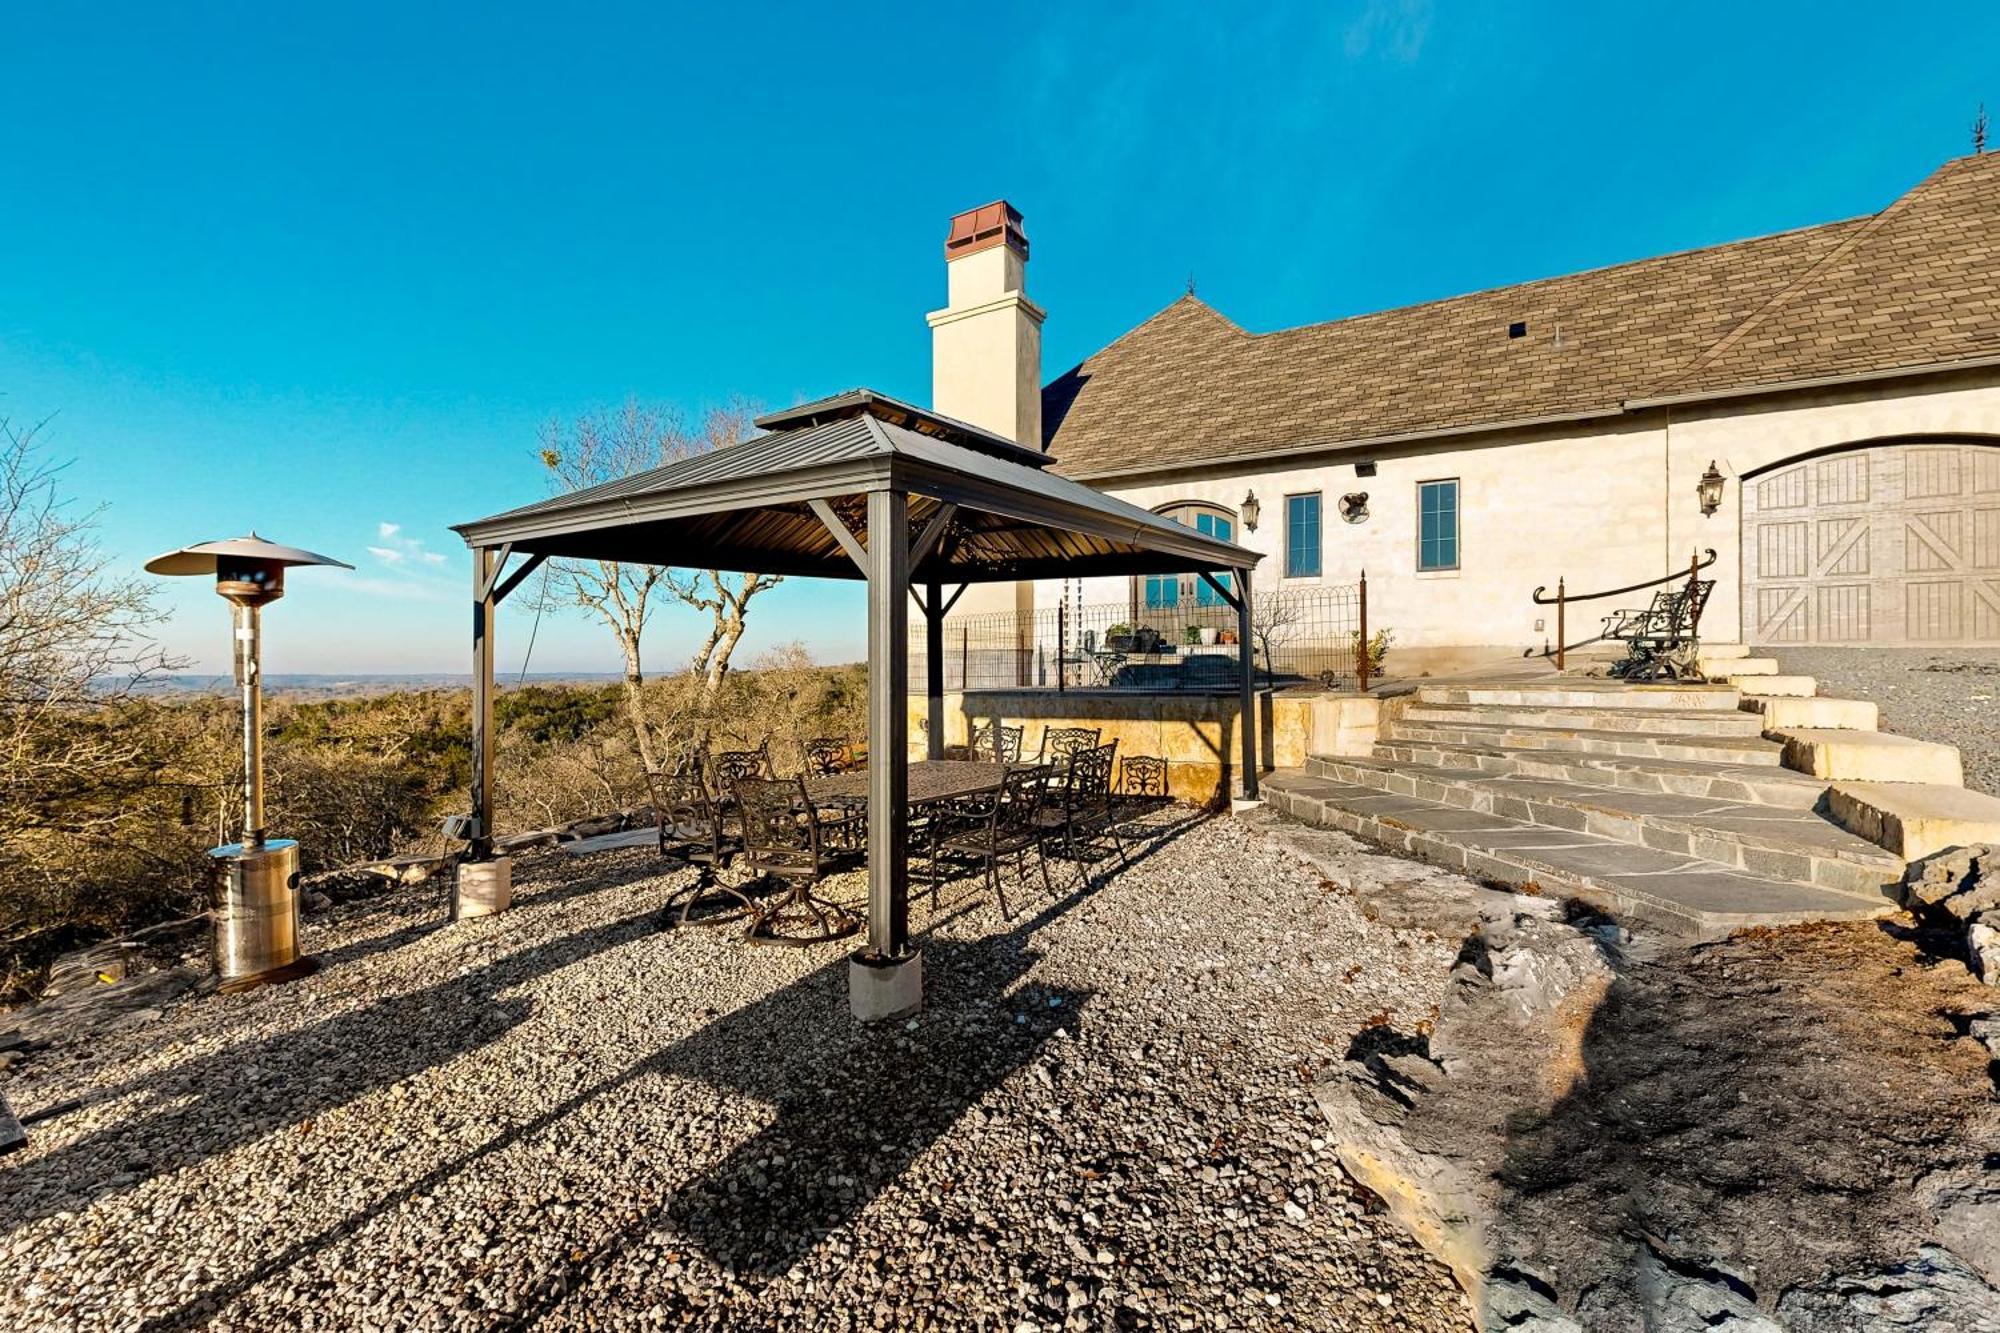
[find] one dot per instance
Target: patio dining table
(931, 781)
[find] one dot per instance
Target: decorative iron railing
(1563, 598)
(1298, 636)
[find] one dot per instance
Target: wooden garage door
(1892, 544)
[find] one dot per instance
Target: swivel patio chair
(691, 832)
(783, 841)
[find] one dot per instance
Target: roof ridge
(1848, 245)
(1566, 277)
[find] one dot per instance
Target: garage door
(1892, 544)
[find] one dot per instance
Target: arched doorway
(1894, 542)
(1164, 592)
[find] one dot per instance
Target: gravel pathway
(563, 1115)
(1950, 695)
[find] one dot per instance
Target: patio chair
(993, 826)
(691, 832)
(1079, 810)
(996, 742)
(783, 841)
(827, 755)
(1059, 743)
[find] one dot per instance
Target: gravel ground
(1950, 695)
(565, 1115)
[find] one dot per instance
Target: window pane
(1437, 525)
(1302, 536)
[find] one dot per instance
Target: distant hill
(309, 685)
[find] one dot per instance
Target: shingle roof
(1915, 285)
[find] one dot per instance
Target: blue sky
(325, 272)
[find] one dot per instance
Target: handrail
(1630, 587)
(1562, 599)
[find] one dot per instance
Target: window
(1162, 592)
(1302, 536)
(1437, 525)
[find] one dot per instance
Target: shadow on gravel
(852, 1106)
(1750, 1115)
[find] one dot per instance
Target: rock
(317, 902)
(1675, 1298)
(1982, 947)
(1960, 883)
(1515, 1303)
(1932, 1292)
(1968, 1224)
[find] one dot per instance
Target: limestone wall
(1195, 733)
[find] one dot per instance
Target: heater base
(484, 888)
(292, 971)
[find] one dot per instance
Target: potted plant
(1191, 635)
(1226, 636)
(1118, 639)
(1208, 634)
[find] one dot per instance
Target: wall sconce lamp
(1709, 488)
(1251, 510)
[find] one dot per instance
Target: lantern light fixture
(1252, 510)
(1709, 488)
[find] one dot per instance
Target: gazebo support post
(886, 979)
(484, 883)
(1247, 656)
(934, 667)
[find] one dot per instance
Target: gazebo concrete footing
(982, 508)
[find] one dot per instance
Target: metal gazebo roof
(750, 506)
(862, 486)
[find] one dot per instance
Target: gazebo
(864, 486)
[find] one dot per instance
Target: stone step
(1665, 721)
(1632, 744)
(1721, 650)
(1583, 693)
(1682, 892)
(1869, 756)
(1782, 713)
(1794, 687)
(1749, 784)
(1914, 819)
(1770, 841)
(1718, 668)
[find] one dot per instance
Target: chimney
(986, 344)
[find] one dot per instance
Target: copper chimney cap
(982, 228)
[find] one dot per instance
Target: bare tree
(604, 447)
(74, 645)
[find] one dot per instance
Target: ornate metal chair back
(1143, 775)
(732, 766)
(1001, 743)
(780, 830)
(827, 755)
(1063, 742)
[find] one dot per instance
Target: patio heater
(255, 881)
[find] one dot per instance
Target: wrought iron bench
(1662, 642)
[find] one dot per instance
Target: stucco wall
(1604, 505)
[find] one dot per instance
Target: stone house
(1842, 379)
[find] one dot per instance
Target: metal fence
(1298, 636)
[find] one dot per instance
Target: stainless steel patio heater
(256, 881)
